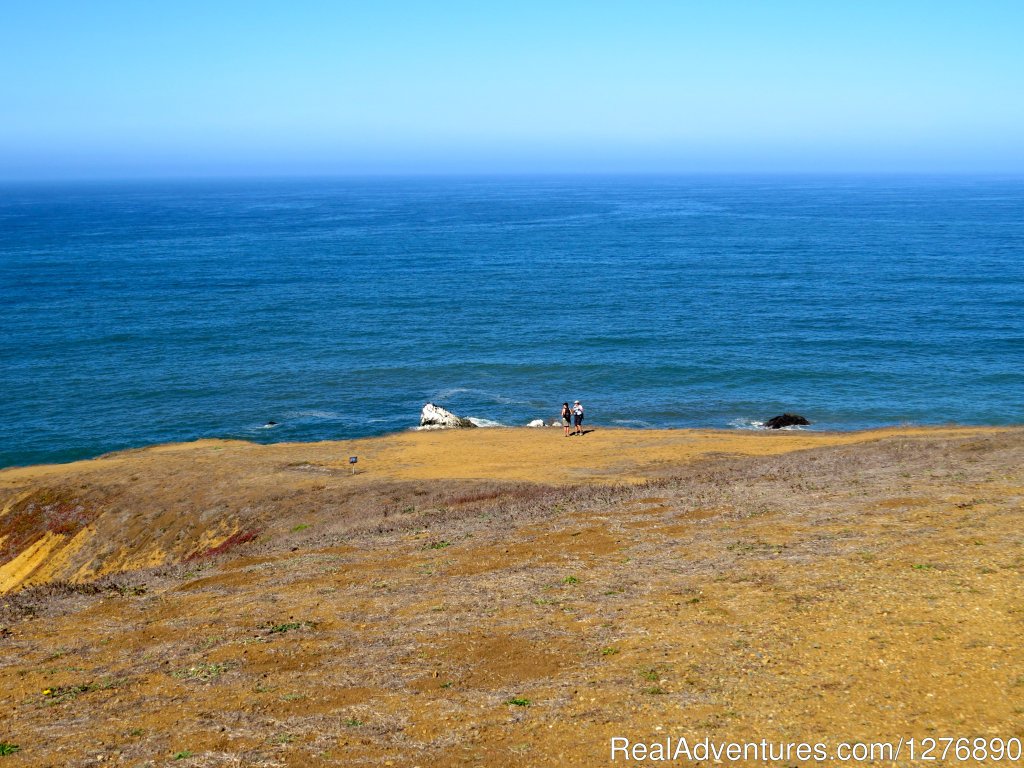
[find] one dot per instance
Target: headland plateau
(507, 597)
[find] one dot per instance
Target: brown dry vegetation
(225, 604)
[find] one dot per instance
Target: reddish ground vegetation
(231, 542)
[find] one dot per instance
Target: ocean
(142, 313)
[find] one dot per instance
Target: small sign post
(352, 460)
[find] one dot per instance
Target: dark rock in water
(786, 420)
(436, 417)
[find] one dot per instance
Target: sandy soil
(511, 597)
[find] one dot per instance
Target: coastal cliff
(509, 597)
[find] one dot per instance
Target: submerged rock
(786, 420)
(435, 417)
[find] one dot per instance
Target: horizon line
(480, 175)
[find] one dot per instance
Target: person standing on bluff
(566, 418)
(577, 417)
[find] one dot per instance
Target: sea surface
(141, 313)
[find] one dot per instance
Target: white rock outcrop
(536, 423)
(435, 417)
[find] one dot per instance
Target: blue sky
(126, 89)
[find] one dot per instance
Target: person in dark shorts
(577, 417)
(566, 418)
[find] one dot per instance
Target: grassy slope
(790, 587)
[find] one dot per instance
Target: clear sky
(135, 89)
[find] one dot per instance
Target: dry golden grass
(798, 587)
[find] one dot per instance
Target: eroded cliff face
(36, 523)
(56, 533)
(140, 509)
(40, 531)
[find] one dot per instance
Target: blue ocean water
(142, 313)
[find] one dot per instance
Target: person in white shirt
(577, 417)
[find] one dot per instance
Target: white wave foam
(746, 424)
(752, 424)
(485, 422)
